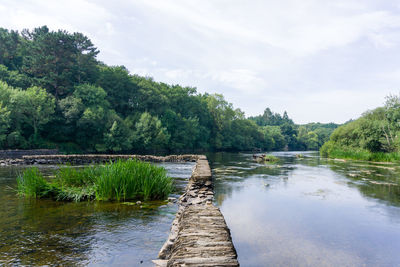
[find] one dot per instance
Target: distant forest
(54, 93)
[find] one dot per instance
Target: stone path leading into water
(199, 234)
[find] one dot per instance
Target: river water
(298, 212)
(45, 232)
(309, 211)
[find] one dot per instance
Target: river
(95, 233)
(298, 212)
(309, 211)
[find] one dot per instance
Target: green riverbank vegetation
(115, 181)
(54, 93)
(372, 137)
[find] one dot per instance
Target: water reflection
(230, 170)
(373, 180)
(309, 211)
(45, 232)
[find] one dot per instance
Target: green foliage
(54, 92)
(37, 107)
(132, 180)
(58, 60)
(27, 111)
(10, 55)
(14, 78)
(149, 133)
(281, 132)
(118, 137)
(91, 95)
(358, 154)
(267, 159)
(32, 184)
(4, 123)
(374, 136)
(122, 90)
(120, 181)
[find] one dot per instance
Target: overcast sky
(318, 60)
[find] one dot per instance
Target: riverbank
(330, 151)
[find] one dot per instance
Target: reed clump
(116, 181)
(330, 150)
(266, 158)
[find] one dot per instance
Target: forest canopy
(55, 93)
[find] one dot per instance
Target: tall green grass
(132, 180)
(340, 152)
(120, 181)
(33, 184)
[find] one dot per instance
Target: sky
(321, 61)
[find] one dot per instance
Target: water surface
(310, 211)
(46, 232)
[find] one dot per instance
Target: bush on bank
(330, 150)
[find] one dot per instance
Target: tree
(149, 133)
(10, 42)
(87, 116)
(14, 78)
(58, 60)
(4, 123)
(37, 106)
(276, 134)
(118, 137)
(222, 114)
(122, 90)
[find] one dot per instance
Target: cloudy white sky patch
(319, 60)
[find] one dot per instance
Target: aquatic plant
(132, 179)
(266, 158)
(120, 181)
(331, 151)
(33, 184)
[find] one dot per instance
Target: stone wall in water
(91, 159)
(199, 234)
(14, 154)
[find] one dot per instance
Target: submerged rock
(172, 199)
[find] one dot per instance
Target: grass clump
(266, 158)
(132, 180)
(120, 181)
(33, 184)
(341, 152)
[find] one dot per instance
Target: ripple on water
(44, 232)
(314, 212)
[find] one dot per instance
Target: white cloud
(300, 27)
(318, 60)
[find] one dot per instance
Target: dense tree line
(375, 132)
(281, 133)
(55, 93)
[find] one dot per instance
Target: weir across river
(199, 234)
